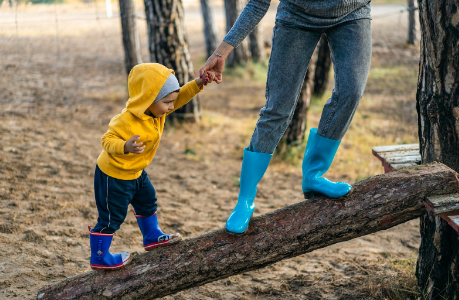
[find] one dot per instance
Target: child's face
(164, 105)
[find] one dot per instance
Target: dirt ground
(63, 81)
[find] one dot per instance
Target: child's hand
(205, 78)
(132, 147)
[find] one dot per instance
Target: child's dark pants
(114, 195)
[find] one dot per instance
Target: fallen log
(374, 204)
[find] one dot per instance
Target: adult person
(299, 25)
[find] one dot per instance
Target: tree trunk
(168, 46)
(377, 203)
(131, 42)
(210, 29)
(239, 55)
(411, 23)
(322, 68)
(294, 134)
(256, 44)
(437, 103)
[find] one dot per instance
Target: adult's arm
(250, 16)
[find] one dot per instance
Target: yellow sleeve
(186, 93)
(113, 141)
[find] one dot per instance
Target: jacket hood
(144, 83)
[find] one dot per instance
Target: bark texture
(131, 43)
(256, 44)
(377, 203)
(438, 120)
(241, 54)
(168, 46)
(322, 67)
(210, 29)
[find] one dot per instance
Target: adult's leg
(291, 52)
(350, 45)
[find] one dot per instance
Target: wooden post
(437, 103)
(376, 203)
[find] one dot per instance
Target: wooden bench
(402, 156)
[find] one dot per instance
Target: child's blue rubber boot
(153, 236)
(254, 165)
(101, 258)
(317, 159)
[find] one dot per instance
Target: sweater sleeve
(250, 16)
(186, 93)
(113, 141)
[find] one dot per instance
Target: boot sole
(111, 268)
(175, 239)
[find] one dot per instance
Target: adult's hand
(217, 63)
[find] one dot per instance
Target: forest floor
(63, 81)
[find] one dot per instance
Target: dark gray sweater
(299, 14)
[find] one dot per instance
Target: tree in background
(241, 54)
(168, 46)
(322, 68)
(437, 103)
(130, 34)
(294, 135)
(411, 23)
(210, 30)
(256, 44)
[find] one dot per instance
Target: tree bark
(294, 134)
(411, 24)
(168, 46)
(241, 54)
(437, 103)
(377, 203)
(322, 68)
(210, 30)
(256, 44)
(131, 42)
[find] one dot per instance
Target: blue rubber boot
(317, 159)
(101, 258)
(152, 235)
(254, 165)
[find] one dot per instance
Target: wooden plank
(453, 221)
(406, 147)
(400, 153)
(444, 204)
(404, 159)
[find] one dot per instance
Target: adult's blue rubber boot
(152, 235)
(101, 258)
(254, 165)
(317, 159)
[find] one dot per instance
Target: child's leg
(350, 45)
(144, 203)
(112, 199)
(291, 52)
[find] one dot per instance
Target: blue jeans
(291, 51)
(114, 195)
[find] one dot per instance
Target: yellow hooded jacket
(144, 83)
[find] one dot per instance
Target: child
(129, 146)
